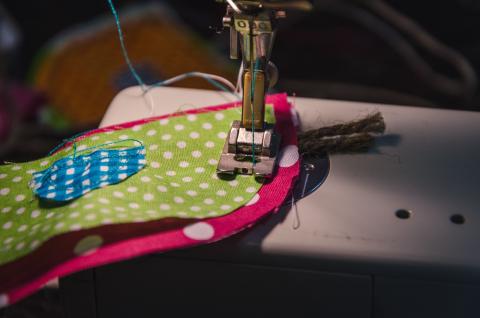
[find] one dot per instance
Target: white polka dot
(90, 217)
(288, 156)
(174, 184)
(238, 199)
(17, 179)
(7, 225)
(81, 147)
(5, 191)
(20, 246)
(122, 176)
(167, 155)
(44, 163)
(148, 197)
(209, 144)
(204, 185)
(221, 193)
(166, 137)
(164, 206)
(118, 194)
(34, 244)
(75, 227)
(51, 195)
(199, 170)
(104, 200)
(88, 206)
(199, 231)
(132, 189)
(88, 245)
(295, 119)
(192, 193)
(179, 127)
(196, 154)
(105, 210)
(183, 164)
(162, 188)
(49, 215)
(151, 132)
(163, 121)
(123, 137)
(15, 168)
(191, 117)
(233, 183)
(153, 147)
(154, 164)
(194, 135)
(225, 207)
(212, 213)
(181, 144)
(145, 179)
(35, 214)
(8, 240)
(59, 225)
(178, 200)
(136, 128)
(212, 162)
(3, 175)
(208, 201)
(31, 171)
(6, 209)
(20, 210)
(20, 197)
(171, 173)
(187, 179)
(104, 168)
(207, 126)
(74, 215)
(182, 214)
(107, 221)
(134, 205)
(254, 200)
(219, 116)
(195, 208)
(222, 135)
(120, 209)
(95, 138)
(251, 190)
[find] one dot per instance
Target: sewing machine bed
(391, 233)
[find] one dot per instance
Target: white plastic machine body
(351, 256)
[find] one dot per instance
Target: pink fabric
(269, 198)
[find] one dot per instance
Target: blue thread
(132, 68)
(252, 89)
(67, 140)
(122, 44)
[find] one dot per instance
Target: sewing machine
(389, 233)
(252, 144)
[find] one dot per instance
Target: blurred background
(61, 64)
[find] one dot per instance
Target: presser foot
(249, 152)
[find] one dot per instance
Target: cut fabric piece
(74, 176)
(179, 180)
(94, 246)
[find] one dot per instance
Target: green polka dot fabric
(179, 180)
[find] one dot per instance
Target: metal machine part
(252, 145)
(313, 173)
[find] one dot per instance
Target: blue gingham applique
(72, 177)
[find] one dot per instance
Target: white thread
(234, 6)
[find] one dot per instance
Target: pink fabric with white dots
(268, 199)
